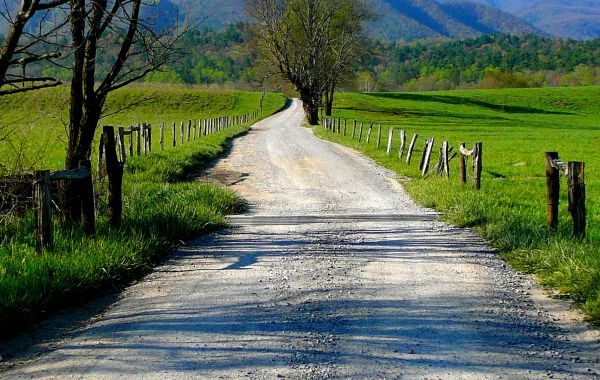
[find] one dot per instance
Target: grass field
(161, 207)
(516, 127)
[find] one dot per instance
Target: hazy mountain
(579, 19)
(398, 19)
(413, 19)
(213, 14)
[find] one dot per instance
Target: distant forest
(224, 58)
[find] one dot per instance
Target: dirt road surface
(334, 273)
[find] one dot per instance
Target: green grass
(516, 128)
(161, 208)
(37, 121)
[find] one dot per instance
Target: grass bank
(160, 208)
(516, 127)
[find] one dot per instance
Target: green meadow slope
(37, 120)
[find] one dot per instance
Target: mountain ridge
(578, 19)
(417, 19)
(399, 19)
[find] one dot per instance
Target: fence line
(114, 148)
(440, 168)
(574, 170)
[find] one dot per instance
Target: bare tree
(23, 46)
(308, 42)
(99, 27)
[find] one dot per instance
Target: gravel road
(334, 273)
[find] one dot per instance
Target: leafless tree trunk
(329, 94)
(97, 25)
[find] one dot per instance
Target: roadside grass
(516, 127)
(161, 208)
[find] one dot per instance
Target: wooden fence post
(354, 130)
(121, 143)
(379, 136)
(360, 132)
(411, 148)
(477, 165)
(148, 138)
(88, 207)
(181, 133)
(444, 162)
(41, 209)
(174, 126)
(369, 133)
(114, 169)
(101, 160)
(463, 164)
(130, 141)
(427, 156)
(423, 154)
(390, 139)
(552, 189)
(345, 126)
(162, 136)
(144, 133)
(402, 143)
(138, 137)
(576, 182)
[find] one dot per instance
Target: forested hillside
(485, 61)
(225, 58)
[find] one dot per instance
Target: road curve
(334, 273)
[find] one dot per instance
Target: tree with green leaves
(310, 43)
